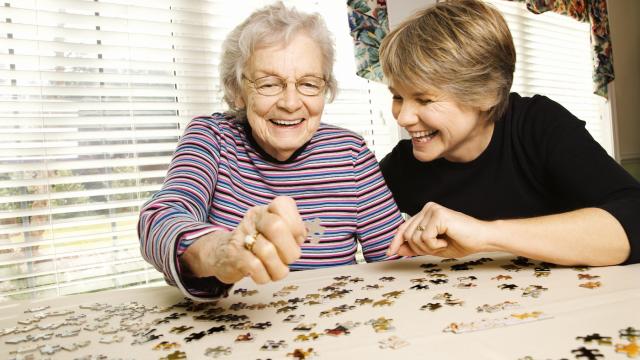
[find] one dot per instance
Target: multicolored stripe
(216, 175)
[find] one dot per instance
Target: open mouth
(286, 123)
(423, 136)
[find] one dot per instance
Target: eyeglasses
(275, 85)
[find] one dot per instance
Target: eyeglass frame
(284, 82)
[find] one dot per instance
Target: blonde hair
(269, 26)
(463, 48)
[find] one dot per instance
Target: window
(93, 98)
(554, 59)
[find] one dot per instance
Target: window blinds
(94, 96)
(554, 59)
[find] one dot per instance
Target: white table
(572, 310)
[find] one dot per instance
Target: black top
(541, 160)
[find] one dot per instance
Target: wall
(401, 9)
(624, 24)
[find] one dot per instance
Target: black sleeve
(582, 173)
(391, 168)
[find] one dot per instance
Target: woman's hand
(437, 230)
(278, 231)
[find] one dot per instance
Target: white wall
(401, 9)
(624, 24)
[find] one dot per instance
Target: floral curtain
(594, 12)
(369, 25)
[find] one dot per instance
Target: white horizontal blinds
(93, 98)
(554, 59)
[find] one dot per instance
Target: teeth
(418, 134)
(287, 122)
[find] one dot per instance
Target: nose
(406, 115)
(290, 99)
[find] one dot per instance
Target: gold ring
(249, 241)
(420, 228)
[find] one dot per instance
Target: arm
(200, 258)
(588, 236)
(176, 215)
(378, 215)
(599, 227)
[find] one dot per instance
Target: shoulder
(217, 128)
(400, 156)
(218, 122)
(332, 136)
(539, 114)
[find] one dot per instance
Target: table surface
(122, 323)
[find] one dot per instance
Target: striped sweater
(218, 172)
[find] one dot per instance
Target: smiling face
(282, 123)
(440, 126)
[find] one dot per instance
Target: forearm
(589, 236)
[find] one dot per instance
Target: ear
(239, 102)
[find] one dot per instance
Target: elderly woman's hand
(267, 239)
(437, 230)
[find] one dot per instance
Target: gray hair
(268, 26)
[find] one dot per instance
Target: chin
(424, 157)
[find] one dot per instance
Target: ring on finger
(250, 240)
(420, 228)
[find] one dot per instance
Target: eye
(423, 101)
(309, 85)
(396, 98)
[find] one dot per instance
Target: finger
(252, 266)
(419, 232)
(287, 209)
(397, 241)
(266, 251)
(433, 229)
(416, 248)
(276, 230)
(412, 225)
(405, 250)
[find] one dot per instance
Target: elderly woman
(242, 185)
(489, 170)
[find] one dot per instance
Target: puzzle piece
(363, 301)
(307, 337)
(601, 340)
(392, 342)
(587, 277)
(304, 327)
(381, 324)
(195, 336)
(590, 354)
(419, 287)
(244, 338)
(431, 306)
(176, 355)
(293, 318)
(302, 354)
(165, 345)
(393, 294)
(629, 333)
(337, 331)
(217, 351)
(502, 277)
(631, 349)
(271, 345)
(383, 302)
(315, 230)
(591, 284)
